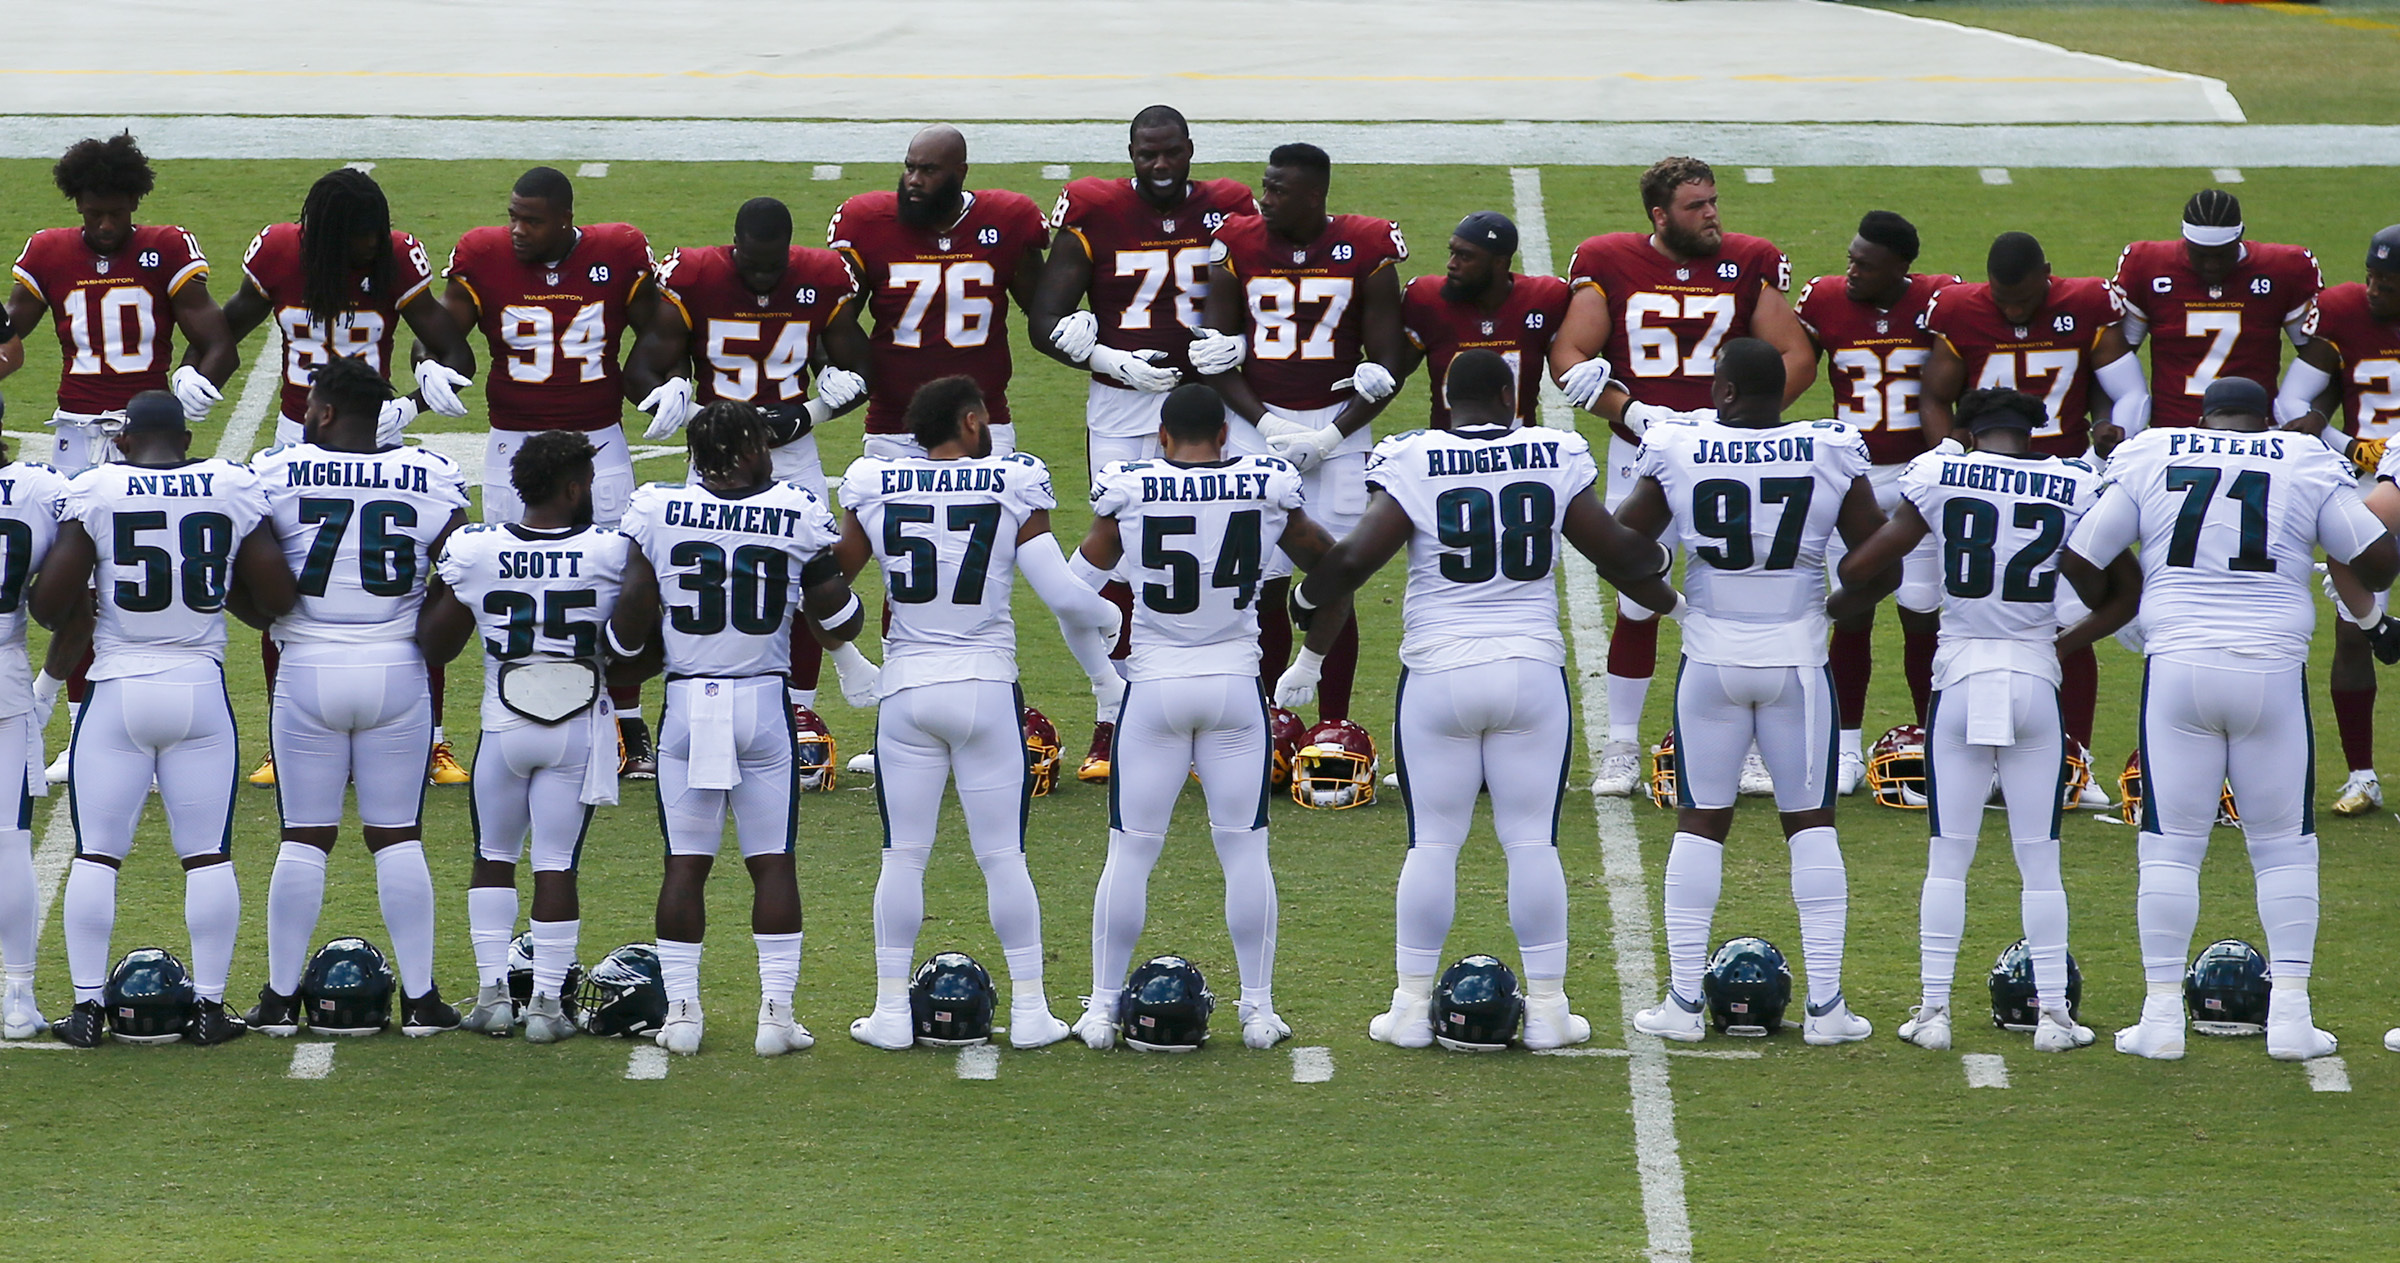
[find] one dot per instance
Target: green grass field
(470, 1148)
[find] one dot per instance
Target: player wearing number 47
(1481, 508)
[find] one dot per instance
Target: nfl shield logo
(710, 688)
(1883, 326)
(1683, 274)
(2216, 291)
(762, 300)
(550, 278)
(1487, 328)
(101, 266)
(1299, 256)
(943, 242)
(1166, 225)
(2020, 331)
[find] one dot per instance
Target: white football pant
(2031, 772)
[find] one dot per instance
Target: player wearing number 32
(166, 545)
(359, 522)
(2228, 517)
(1481, 508)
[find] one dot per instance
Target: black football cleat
(277, 1015)
(213, 1023)
(427, 1015)
(637, 756)
(84, 1027)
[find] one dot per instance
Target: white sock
(1537, 907)
(405, 889)
(491, 924)
(2043, 908)
(1695, 877)
(1121, 905)
(1942, 916)
(1256, 1000)
(1416, 986)
(1626, 697)
(2166, 903)
(1251, 911)
(899, 911)
(2285, 870)
(553, 950)
(17, 908)
(1016, 914)
(1427, 903)
(87, 916)
(778, 966)
(1821, 891)
(1538, 987)
(801, 697)
(1850, 738)
(438, 735)
(679, 968)
(891, 994)
(295, 899)
(212, 911)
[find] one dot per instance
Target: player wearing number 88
(2211, 304)
(939, 265)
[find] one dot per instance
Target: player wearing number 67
(1481, 508)
(950, 530)
(1755, 499)
(2229, 516)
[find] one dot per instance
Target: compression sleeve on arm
(2122, 378)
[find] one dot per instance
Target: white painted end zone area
(2328, 1074)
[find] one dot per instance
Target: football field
(1332, 1145)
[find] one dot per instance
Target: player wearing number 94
(1481, 509)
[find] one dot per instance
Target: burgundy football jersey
(2049, 356)
(749, 346)
(1149, 267)
(115, 313)
(363, 331)
(2201, 332)
(554, 328)
(1877, 360)
(940, 296)
(1667, 319)
(1306, 316)
(1519, 330)
(2370, 351)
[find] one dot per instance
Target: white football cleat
(885, 1028)
(2159, 1035)
(2093, 797)
(1673, 1019)
(1550, 1024)
(681, 1034)
(493, 1013)
(778, 1031)
(2292, 1033)
(23, 1017)
(2057, 1031)
(546, 1021)
(1407, 1024)
(1756, 782)
(1849, 773)
(861, 764)
(2360, 794)
(56, 773)
(1035, 1028)
(1620, 769)
(1097, 1028)
(1835, 1024)
(1262, 1029)
(1928, 1027)
(2391, 1039)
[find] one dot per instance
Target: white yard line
(310, 1061)
(36, 1045)
(2327, 1074)
(1312, 1065)
(649, 1061)
(1985, 1070)
(980, 1062)
(1657, 1155)
(51, 858)
(1995, 175)
(259, 393)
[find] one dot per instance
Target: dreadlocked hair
(549, 461)
(343, 205)
(104, 167)
(723, 437)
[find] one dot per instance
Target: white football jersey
(358, 529)
(1486, 506)
(945, 534)
(1196, 538)
(534, 593)
(2229, 524)
(1754, 509)
(30, 498)
(2000, 522)
(165, 540)
(728, 571)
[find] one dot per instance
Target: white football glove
(1294, 441)
(1075, 334)
(1639, 417)
(2365, 622)
(1583, 383)
(45, 698)
(862, 680)
(1138, 369)
(440, 384)
(837, 388)
(669, 406)
(194, 391)
(1370, 381)
(392, 421)
(1213, 352)
(1297, 686)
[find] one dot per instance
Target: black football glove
(1304, 611)
(787, 421)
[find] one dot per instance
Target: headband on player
(2211, 234)
(1490, 231)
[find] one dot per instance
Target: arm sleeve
(2109, 529)
(1081, 611)
(2346, 526)
(2122, 378)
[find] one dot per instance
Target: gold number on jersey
(2002, 371)
(358, 335)
(1189, 266)
(1656, 351)
(2220, 328)
(531, 334)
(739, 371)
(2378, 410)
(966, 314)
(1884, 388)
(106, 339)
(1275, 303)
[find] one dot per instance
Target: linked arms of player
(2119, 372)
(657, 370)
(1218, 353)
(264, 588)
(1321, 602)
(1629, 561)
(1308, 545)
(1588, 380)
(209, 351)
(2311, 391)
(1064, 332)
(443, 359)
(1871, 571)
(23, 312)
(1774, 321)
(1944, 381)
(2120, 600)
(1087, 621)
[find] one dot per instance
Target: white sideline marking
(1995, 175)
(1581, 1052)
(36, 1045)
(50, 859)
(1058, 171)
(980, 1062)
(1758, 175)
(1657, 1155)
(2327, 1074)
(1721, 1054)
(1312, 1065)
(825, 171)
(259, 391)
(361, 167)
(2226, 175)
(310, 1061)
(596, 170)
(647, 1062)
(1986, 1070)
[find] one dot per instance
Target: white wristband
(842, 615)
(618, 647)
(46, 686)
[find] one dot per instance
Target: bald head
(933, 177)
(939, 142)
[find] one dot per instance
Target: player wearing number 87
(1481, 509)
(117, 292)
(950, 530)
(939, 264)
(727, 563)
(165, 545)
